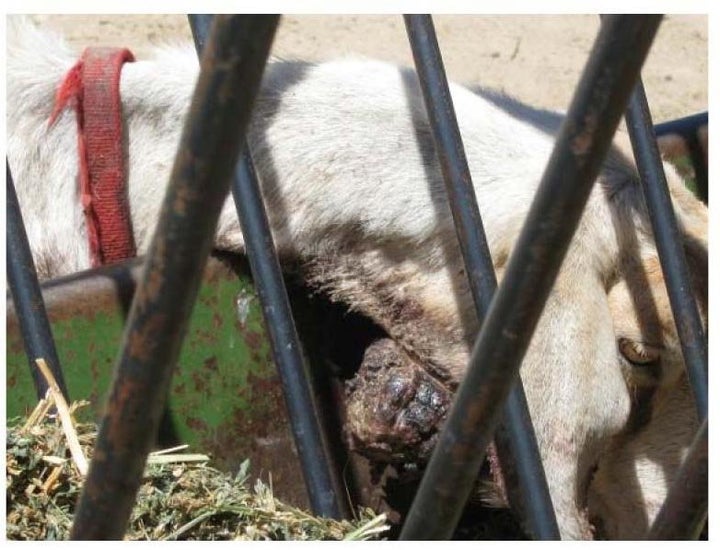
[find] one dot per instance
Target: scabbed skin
(394, 407)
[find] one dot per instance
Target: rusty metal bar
(532, 484)
(581, 146)
(231, 69)
(25, 290)
(324, 491)
(689, 326)
(684, 512)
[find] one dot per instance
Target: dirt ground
(537, 59)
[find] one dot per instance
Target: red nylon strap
(93, 87)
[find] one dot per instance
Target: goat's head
(636, 471)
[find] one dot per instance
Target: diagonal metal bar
(231, 69)
(582, 143)
(25, 290)
(532, 484)
(324, 491)
(684, 512)
(682, 126)
(693, 339)
(200, 24)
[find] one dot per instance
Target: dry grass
(181, 497)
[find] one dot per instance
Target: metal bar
(532, 484)
(326, 497)
(200, 24)
(693, 339)
(231, 69)
(682, 126)
(583, 141)
(25, 289)
(453, 162)
(325, 494)
(684, 512)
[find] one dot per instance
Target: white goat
(354, 191)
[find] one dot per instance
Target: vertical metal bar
(324, 491)
(669, 245)
(684, 512)
(230, 74)
(453, 162)
(583, 141)
(25, 290)
(533, 487)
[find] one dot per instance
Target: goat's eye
(638, 353)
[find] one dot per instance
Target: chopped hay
(181, 496)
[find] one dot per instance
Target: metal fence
(234, 51)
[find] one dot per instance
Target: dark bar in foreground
(231, 70)
(533, 488)
(599, 101)
(669, 246)
(324, 492)
(25, 290)
(684, 512)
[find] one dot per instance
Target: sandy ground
(537, 59)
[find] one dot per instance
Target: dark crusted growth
(394, 407)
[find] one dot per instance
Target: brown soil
(537, 59)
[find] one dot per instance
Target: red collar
(93, 85)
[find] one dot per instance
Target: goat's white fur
(354, 191)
